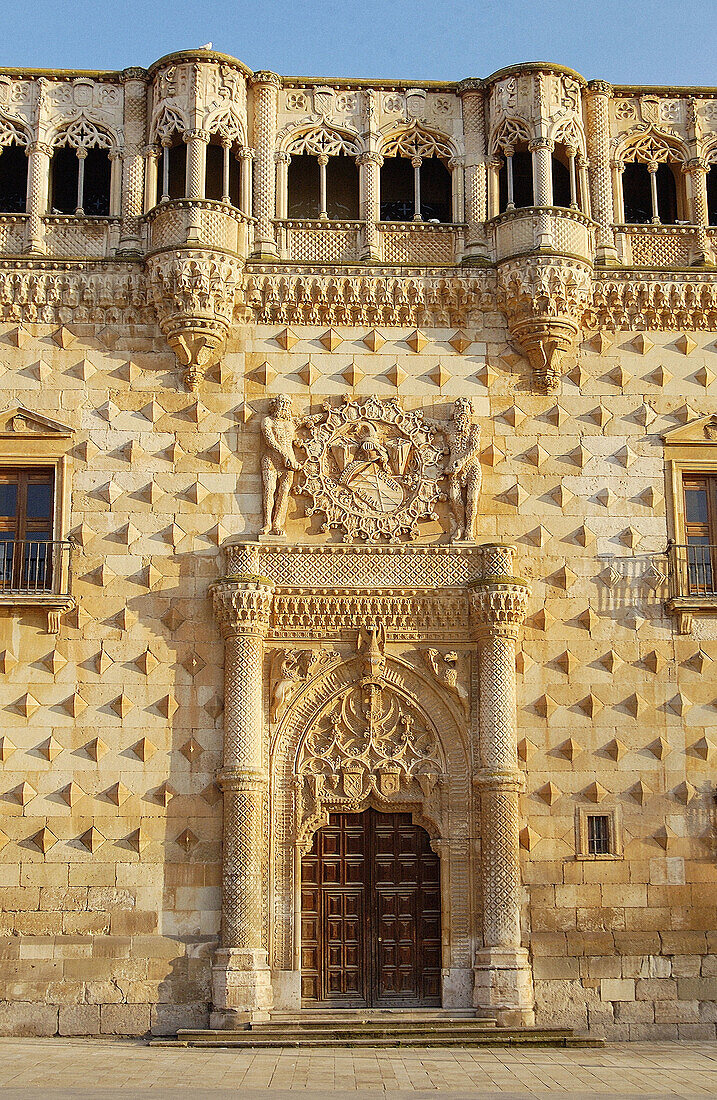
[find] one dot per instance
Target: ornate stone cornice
(387, 296)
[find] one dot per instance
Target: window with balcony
(34, 504)
(691, 463)
(700, 518)
(26, 523)
(13, 178)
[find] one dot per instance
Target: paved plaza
(62, 1068)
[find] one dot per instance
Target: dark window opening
(303, 182)
(26, 521)
(177, 154)
(435, 191)
(63, 181)
(637, 194)
(598, 835)
(561, 183)
(712, 195)
(214, 179)
(342, 188)
(96, 189)
(397, 190)
(522, 180)
(13, 179)
(666, 194)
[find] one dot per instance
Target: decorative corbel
(194, 293)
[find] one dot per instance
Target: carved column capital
(370, 157)
(470, 84)
(196, 135)
(129, 76)
(498, 607)
(599, 87)
(265, 77)
(541, 143)
(242, 605)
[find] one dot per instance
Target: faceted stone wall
(112, 729)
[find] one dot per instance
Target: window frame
(615, 840)
(45, 445)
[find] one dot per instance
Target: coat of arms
(372, 469)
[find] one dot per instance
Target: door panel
(371, 918)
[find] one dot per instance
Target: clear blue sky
(625, 41)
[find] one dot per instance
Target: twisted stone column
(241, 980)
(132, 197)
(697, 170)
(476, 176)
(196, 141)
(266, 87)
(503, 977)
(38, 180)
(370, 167)
(598, 138)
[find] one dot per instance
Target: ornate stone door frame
(424, 772)
(453, 595)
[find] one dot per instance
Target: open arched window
(172, 174)
(652, 182)
(227, 160)
(515, 165)
(81, 170)
(415, 180)
(322, 177)
(13, 169)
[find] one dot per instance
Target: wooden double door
(371, 914)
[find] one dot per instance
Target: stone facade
(309, 468)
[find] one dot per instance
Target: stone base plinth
(241, 987)
(504, 986)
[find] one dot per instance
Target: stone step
(498, 1037)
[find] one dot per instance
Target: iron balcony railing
(34, 567)
(693, 570)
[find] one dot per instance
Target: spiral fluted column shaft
(498, 605)
(242, 609)
(370, 167)
(476, 176)
(266, 86)
(598, 139)
(38, 177)
(132, 198)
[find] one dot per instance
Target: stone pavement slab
(96, 1069)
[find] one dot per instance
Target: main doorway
(371, 914)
